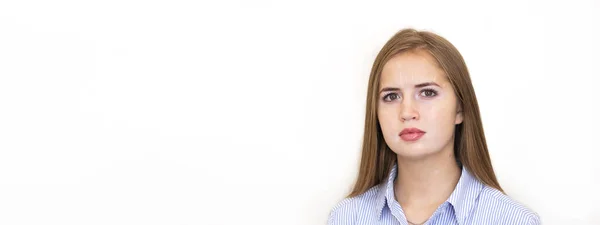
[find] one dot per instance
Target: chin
(413, 151)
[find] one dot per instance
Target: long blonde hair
(470, 148)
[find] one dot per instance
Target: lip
(411, 134)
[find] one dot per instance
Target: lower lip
(412, 136)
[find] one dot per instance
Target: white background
(251, 112)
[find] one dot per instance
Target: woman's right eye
(390, 97)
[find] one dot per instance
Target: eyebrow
(416, 86)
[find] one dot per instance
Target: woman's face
(415, 93)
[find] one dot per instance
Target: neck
(427, 181)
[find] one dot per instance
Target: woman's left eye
(429, 93)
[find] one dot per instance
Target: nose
(408, 111)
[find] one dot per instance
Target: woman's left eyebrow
(416, 86)
(426, 84)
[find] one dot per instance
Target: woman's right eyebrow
(389, 89)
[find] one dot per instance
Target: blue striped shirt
(471, 202)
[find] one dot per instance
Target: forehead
(413, 67)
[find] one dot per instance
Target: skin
(427, 170)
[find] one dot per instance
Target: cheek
(438, 112)
(436, 115)
(387, 117)
(440, 120)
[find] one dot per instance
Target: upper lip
(411, 130)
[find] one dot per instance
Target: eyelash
(422, 91)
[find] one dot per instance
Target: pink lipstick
(411, 134)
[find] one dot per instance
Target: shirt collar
(465, 194)
(386, 189)
(462, 198)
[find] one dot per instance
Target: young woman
(424, 155)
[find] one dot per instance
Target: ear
(459, 115)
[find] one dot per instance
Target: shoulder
(347, 210)
(505, 210)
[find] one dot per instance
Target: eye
(391, 96)
(428, 93)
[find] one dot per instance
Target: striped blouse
(471, 202)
